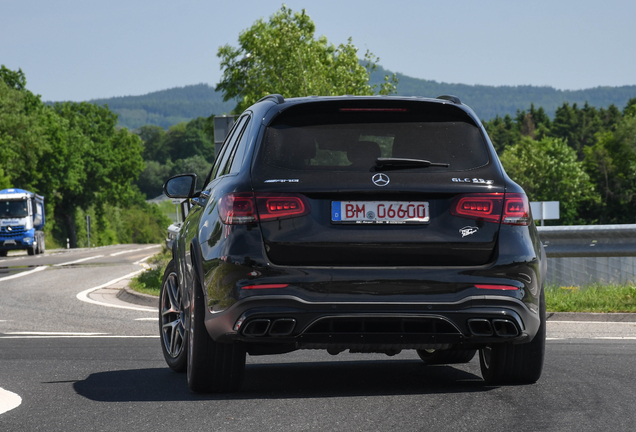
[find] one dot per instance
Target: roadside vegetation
(149, 282)
(593, 298)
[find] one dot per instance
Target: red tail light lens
(244, 208)
(266, 286)
(516, 210)
(498, 287)
(237, 208)
(490, 207)
(281, 206)
(486, 207)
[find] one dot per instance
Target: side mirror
(180, 186)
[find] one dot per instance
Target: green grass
(149, 282)
(593, 298)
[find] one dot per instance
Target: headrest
(363, 153)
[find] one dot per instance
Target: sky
(86, 49)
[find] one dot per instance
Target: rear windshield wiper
(407, 163)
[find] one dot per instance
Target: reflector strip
(266, 286)
(497, 287)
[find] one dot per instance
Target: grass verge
(593, 298)
(149, 282)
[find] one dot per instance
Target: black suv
(369, 224)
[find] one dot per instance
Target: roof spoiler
(279, 99)
(453, 99)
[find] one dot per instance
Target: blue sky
(84, 49)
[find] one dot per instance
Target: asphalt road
(76, 366)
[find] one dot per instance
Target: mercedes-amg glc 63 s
(369, 224)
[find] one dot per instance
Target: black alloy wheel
(171, 321)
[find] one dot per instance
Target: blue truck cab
(21, 221)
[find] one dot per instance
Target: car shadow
(288, 380)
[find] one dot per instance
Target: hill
(168, 107)
(490, 101)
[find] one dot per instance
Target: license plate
(379, 212)
(9, 242)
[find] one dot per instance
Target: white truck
(21, 221)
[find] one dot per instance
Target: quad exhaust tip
(480, 327)
(498, 327)
(261, 327)
(505, 328)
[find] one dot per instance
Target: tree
(107, 162)
(22, 140)
(611, 163)
(548, 170)
(282, 56)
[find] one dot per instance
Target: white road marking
(134, 250)
(54, 334)
(78, 261)
(15, 276)
(8, 400)
(616, 338)
(595, 322)
(79, 337)
(146, 319)
(143, 259)
(83, 296)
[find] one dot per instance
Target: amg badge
(468, 230)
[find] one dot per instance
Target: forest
(74, 155)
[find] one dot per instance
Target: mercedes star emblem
(380, 179)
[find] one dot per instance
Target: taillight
(516, 209)
(281, 206)
(265, 286)
(243, 208)
(238, 208)
(496, 287)
(490, 207)
(486, 207)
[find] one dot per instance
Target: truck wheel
(516, 364)
(31, 250)
(42, 244)
(3, 253)
(212, 367)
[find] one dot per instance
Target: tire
(42, 244)
(3, 253)
(31, 250)
(437, 357)
(516, 364)
(171, 321)
(212, 367)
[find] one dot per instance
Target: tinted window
(236, 157)
(228, 148)
(351, 141)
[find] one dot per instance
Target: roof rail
(453, 99)
(279, 99)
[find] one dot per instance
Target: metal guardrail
(589, 240)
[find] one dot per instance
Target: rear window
(342, 140)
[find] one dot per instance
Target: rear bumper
(289, 320)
